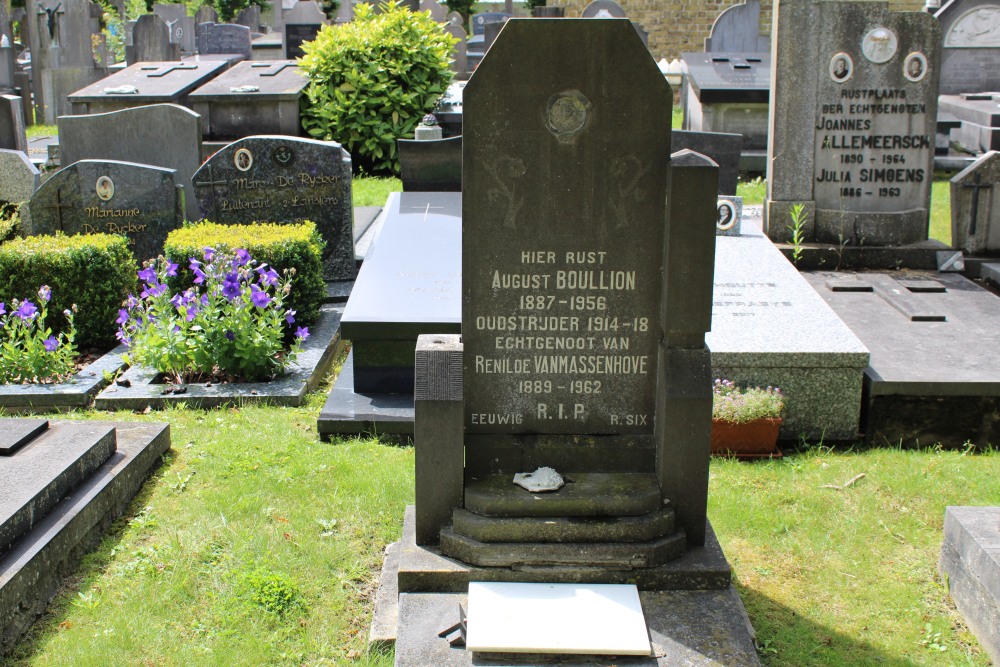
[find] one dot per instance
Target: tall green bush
(373, 79)
(94, 271)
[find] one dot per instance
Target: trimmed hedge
(94, 271)
(283, 246)
(372, 80)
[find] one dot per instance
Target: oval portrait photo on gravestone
(915, 67)
(727, 216)
(243, 159)
(105, 188)
(841, 67)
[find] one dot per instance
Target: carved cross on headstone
(976, 186)
(426, 210)
(59, 206)
(273, 68)
(211, 183)
(157, 72)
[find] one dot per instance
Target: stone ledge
(318, 354)
(76, 392)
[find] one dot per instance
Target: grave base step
(564, 529)
(583, 495)
(536, 554)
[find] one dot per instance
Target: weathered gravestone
(852, 122)
(18, 176)
(737, 30)
(12, 131)
(438, 11)
(151, 41)
(975, 209)
(139, 137)
(970, 57)
(225, 39)
(91, 196)
(459, 52)
(145, 83)
(603, 9)
(302, 23)
(206, 14)
(251, 98)
(975, 121)
(585, 307)
(284, 179)
(249, 17)
(182, 32)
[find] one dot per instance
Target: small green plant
(29, 353)
(798, 231)
(229, 325)
(271, 591)
(733, 404)
(932, 640)
(373, 79)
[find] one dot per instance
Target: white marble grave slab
(600, 619)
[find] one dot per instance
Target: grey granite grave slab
(251, 98)
(31, 574)
(853, 112)
(932, 376)
(348, 412)
(225, 38)
(769, 327)
(44, 471)
(284, 179)
(17, 432)
(75, 393)
(146, 83)
(975, 210)
(145, 388)
(970, 563)
(139, 134)
(136, 200)
(970, 57)
(18, 176)
(728, 92)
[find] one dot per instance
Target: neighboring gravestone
(12, 131)
(139, 137)
(225, 38)
(459, 52)
(151, 41)
(284, 179)
(206, 14)
(250, 17)
(302, 23)
(975, 211)
(970, 57)
(603, 9)
(852, 122)
(180, 24)
(90, 196)
(431, 165)
(977, 116)
(18, 176)
(727, 92)
(438, 11)
(737, 30)
(722, 148)
(251, 98)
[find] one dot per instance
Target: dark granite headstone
(251, 98)
(146, 83)
(852, 125)
(728, 92)
(151, 41)
(722, 148)
(737, 30)
(225, 38)
(90, 196)
(302, 23)
(139, 137)
(18, 176)
(284, 179)
(12, 131)
(480, 20)
(432, 165)
(975, 207)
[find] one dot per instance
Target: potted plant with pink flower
(745, 421)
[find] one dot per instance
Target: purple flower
(147, 275)
(268, 277)
(231, 290)
(241, 259)
(177, 301)
(204, 300)
(194, 264)
(3, 309)
(302, 333)
(259, 297)
(192, 312)
(199, 275)
(153, 290)
(122, 316)
(230, 335)
(171, 268)
(26, 311)
(290, 317)
(120, 335)
(44, 293)
(51, 344)
(209, 253)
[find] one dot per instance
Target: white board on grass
(599, 619)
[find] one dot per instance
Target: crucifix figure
(50, 21)
(976, 187)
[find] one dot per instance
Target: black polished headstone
(729, 77)
(722, 147)
(284, 179)
(91, 196)
(431, 165)
(225, 38)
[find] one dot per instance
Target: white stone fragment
(543, 479)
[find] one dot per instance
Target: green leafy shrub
(284, 247)
(228, 9)
(271, 591)
(29, 353)
(94, 271)
(373, 79)
(10, 221)
(463, 7)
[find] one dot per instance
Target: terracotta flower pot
(756, 438)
